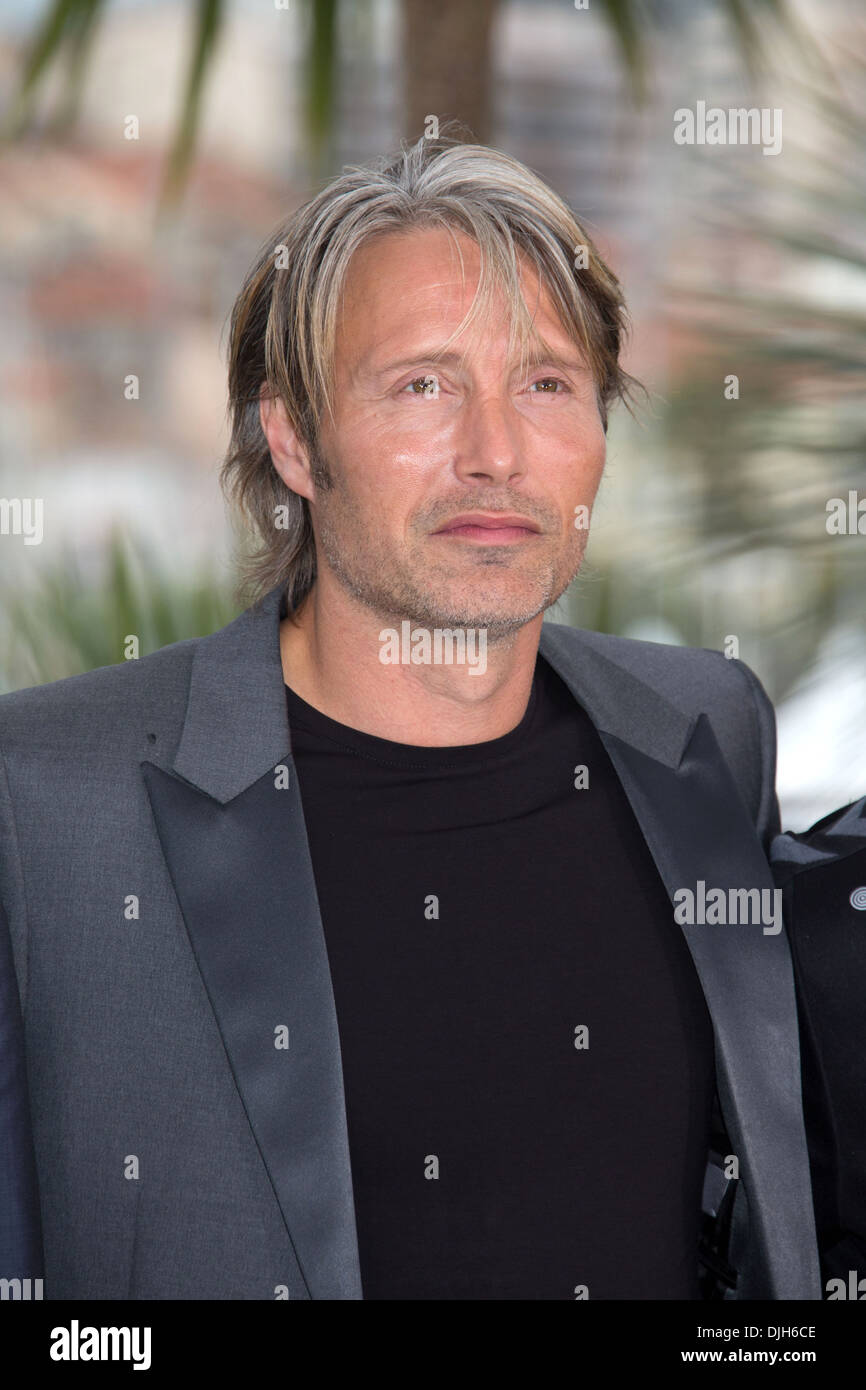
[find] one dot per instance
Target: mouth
(489, 530)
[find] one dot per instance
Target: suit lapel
(235, 843)
(697, 827)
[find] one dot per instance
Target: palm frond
(67, 29)
(208, 24)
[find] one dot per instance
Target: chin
(493, 611)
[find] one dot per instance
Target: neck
(330, 654)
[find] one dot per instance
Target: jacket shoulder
(105, 698)
(686, 676)
(700, 680)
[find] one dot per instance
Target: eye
(546, 382)
(423, 386)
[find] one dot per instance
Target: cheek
(579, 462)
(391, 453)
(594, 450)
(596, 461)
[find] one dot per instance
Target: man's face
(417, 443)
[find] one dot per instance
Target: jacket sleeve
(20, 1226)
(21, 1251)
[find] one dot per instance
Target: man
(347, 933)
(822, 873)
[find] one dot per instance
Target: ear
(288, 454)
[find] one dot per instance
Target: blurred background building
(711, 523)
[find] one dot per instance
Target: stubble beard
(386, 585)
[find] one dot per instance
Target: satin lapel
(697, 828)
(235, 843)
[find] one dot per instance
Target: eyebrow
(451, 358)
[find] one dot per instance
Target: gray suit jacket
(160, 938)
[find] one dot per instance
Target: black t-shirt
(527, 1054)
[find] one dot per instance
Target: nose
(488, 440)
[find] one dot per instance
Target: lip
(495, 528)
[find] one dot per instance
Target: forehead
(418, 285)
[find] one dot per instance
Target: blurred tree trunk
(447, 63)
